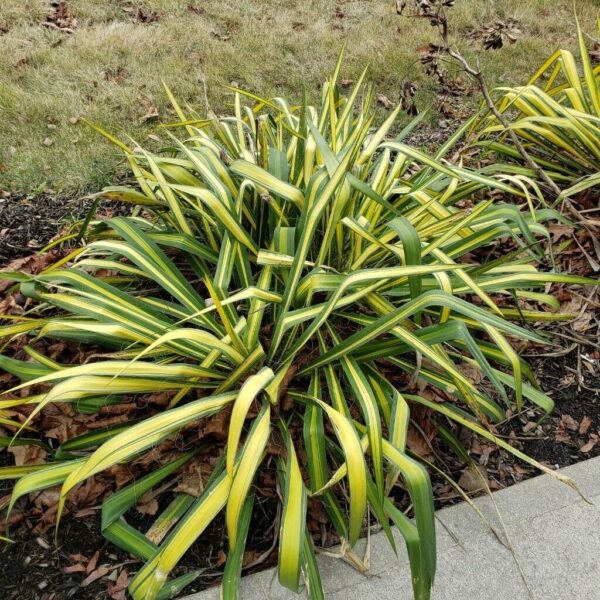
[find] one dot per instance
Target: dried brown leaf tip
(61, 18)
(494, 35)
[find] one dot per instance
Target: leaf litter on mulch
(83, 565)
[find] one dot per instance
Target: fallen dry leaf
(95, 575)
(218, 426)
(78, 558)
(584, 425)
(117, 589)
(417, 443)
(151, 110)
(473, 478)
(47, 498)
(28, 455)
(191, 482)
(92, 562)
(384, 101)
(569, 422)
(148, 507)
(61, 17)
(77, 568)
(588, 446)
(146, 16)
(32, 264)
(88, 493)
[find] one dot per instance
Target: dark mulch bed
(563, 439)
(33, 568)
(37, 568)
(27, 223)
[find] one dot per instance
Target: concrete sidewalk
(553, 533)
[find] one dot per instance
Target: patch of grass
(110, 68)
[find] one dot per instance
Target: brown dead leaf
(32, 264)
(584, 425)
(217, 426)
(559, 231)
(10, 305)
(28, 455)
(78, 558)
(117, 589)
(147, 16)
(197, 10)
(122, 474)
(417, 443)
(221, 559)
(474, 374)
(47, 498)
(92, 562)
(95, 575)
(151, 110)
(595, 53)
(116, 76)
(61, 17)
(160, 399)
(587, 447)
(88, 493)
(191, 482)
(147, 506)
(384, 101)
(86, 512)
(493, 35)
(251, 556)
(569, 422)
(77, 568)
(473, 478)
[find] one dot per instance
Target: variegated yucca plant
(557, 118)
(285, 266)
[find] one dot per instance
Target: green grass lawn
(109, 69)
